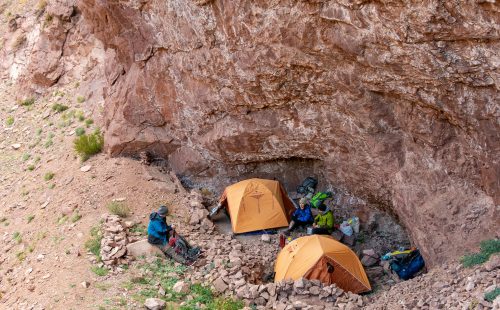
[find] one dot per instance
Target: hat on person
(322, 207)
(163, 211)
(303, 201)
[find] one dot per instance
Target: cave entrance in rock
(379, 230)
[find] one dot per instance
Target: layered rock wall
(395, 101)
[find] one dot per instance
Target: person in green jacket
(323, 222)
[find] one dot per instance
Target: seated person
(301, 216)
(159, 233)
(323, 222)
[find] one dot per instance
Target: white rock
(16, 146)
(470, 286)
(85, 168)
(180, 287)
(154, 304)
(265, 238)
(85, 284)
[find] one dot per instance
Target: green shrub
(27, 102)
(9, 121)
(488, 247)
(79, 131)
(16, 236)
(26, 156)
(48, 176)
(80, 99)
(93, 244)
(31, 167)
(88, 145)
(59, 107)
(21, 256)
(119, 208)
(100, 271)
(490, 296)
(30, 218)
(76, 217)
(89, 122)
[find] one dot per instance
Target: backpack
(307, 186)
(318, 199)
(406, 266)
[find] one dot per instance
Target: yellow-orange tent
(322, 258)
(257, 204)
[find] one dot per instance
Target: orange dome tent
(322, 258)
(257, 204)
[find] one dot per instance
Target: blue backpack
(407, 266)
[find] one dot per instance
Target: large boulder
(143, 248)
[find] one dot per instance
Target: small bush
(93, 244)
(9, 121)
(17, 237)
(31, 167)
(76, 217)
(139, 228)
(21, 256)
(80, 99)
(27, 102)
(119, 208)
(59, 107)
(490, 296)
(48, 176)
(100, 271)
(79, 131)
(89, 122)
(488, 247)
(38, 131)
(30, 218)
(52, 186)
(26, 156)
(88, 145)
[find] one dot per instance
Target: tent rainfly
(322, 258)
(257, 204)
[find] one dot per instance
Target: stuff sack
(307, 186)
(407, 266)
(318, 199)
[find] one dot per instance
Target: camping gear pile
(405, 263)
(183, 248)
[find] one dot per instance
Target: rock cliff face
(395, 102)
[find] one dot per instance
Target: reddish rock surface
(397, 103)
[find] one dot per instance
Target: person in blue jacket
(301, 217)
(159, 233)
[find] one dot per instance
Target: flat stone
(16, 146)
(85, 284)
(141, 248)
(85, 168)
(220, 285)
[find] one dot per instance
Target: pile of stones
(115, 240)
